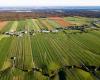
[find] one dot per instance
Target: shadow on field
(62, 75)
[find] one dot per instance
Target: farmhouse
(55, 30)
(26, 32)
(74, 28)
(9, 33)
(45, 31)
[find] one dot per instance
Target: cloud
(49, 2)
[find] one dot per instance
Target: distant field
(78, 20)
(48, 51)
(61, 21)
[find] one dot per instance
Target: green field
(79, 20)
(48, 51)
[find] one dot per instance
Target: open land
(50, 48)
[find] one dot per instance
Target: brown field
(2, 24)
(61, 21)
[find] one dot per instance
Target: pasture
(44, 55)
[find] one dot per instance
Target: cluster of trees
(47, 13)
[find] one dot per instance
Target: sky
(49, 3)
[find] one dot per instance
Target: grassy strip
(14, 26)
(4, 50)
(36, 27)
(21, 25)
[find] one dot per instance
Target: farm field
(79, 20)
(32, 49)
(2, 24)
